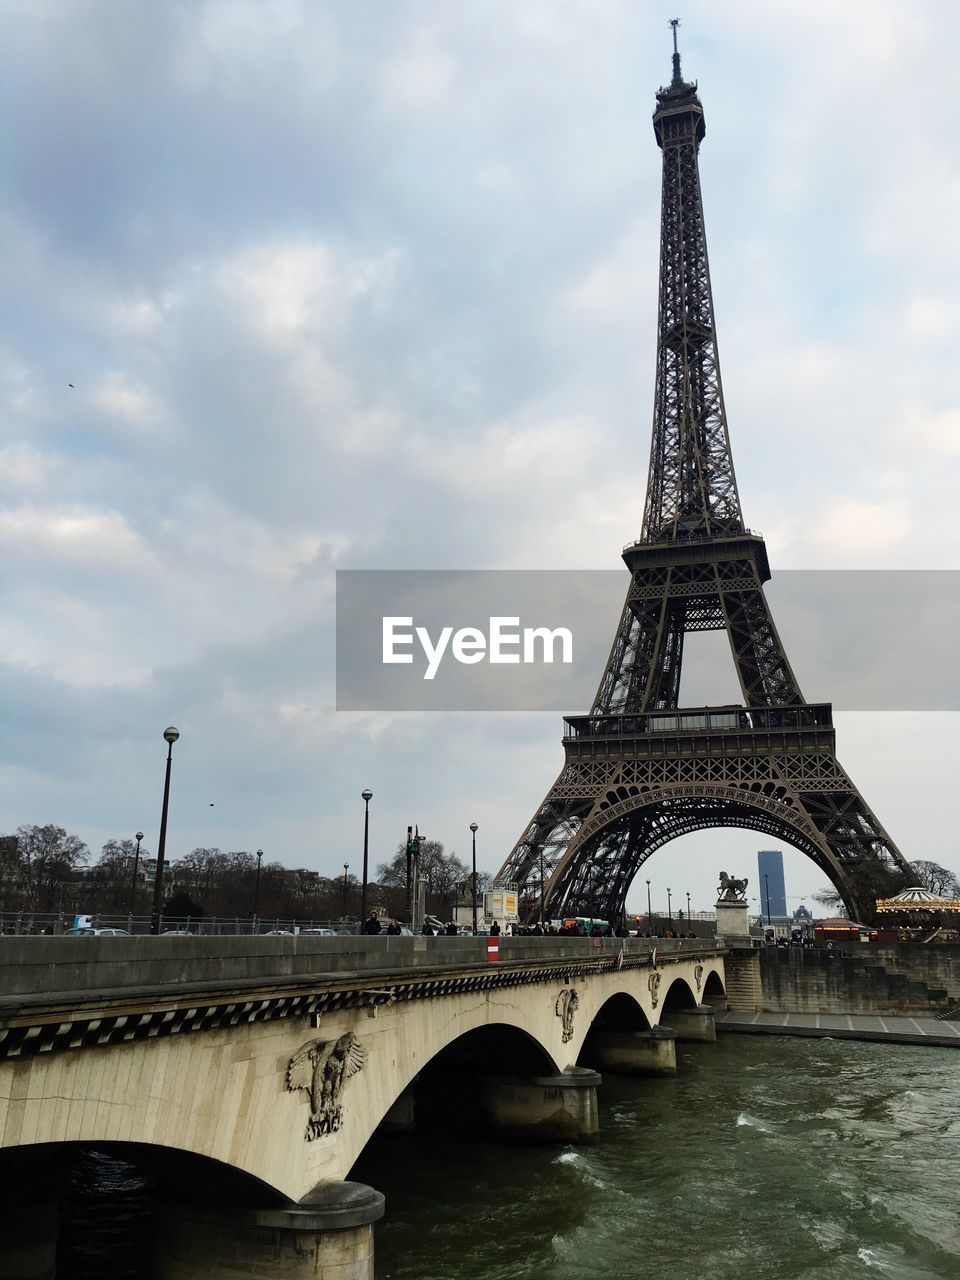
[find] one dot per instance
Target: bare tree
(48, 857)
(441, 871)
(937, 879)
(111, 873)
(200, 871)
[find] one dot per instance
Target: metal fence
(52, 923)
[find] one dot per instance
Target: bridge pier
(328, 1237)
(641, 1053)
(697, 1025)
(561, 1108)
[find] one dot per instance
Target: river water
(765, 1157)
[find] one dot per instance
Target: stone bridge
(248, 1074)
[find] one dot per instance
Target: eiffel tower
(640, 770)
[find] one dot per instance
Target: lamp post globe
(473, 879)
(366, 795)
(170, 736)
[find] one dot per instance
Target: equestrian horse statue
(731, 889)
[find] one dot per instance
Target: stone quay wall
(907, 978)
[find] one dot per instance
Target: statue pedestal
(732, 919)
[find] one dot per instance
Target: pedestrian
(393, 928)
(451, 930)
(372, 924)
(495, 929)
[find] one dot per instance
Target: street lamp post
(473, 878)
(170, 735)
(346, 868)
(649, 911)
(766, 882)
(366, 795)
(256, 895)
(543, 892)
(133, 878)
(669, 907)
(688, 910)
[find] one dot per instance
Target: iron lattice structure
(639, 770)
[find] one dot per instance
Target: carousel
(918, 915)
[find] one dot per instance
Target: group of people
(374, 925)
(572, 929)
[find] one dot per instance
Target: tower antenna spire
(677, 78)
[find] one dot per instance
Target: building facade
(773, 890)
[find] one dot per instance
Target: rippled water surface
(106, 1221)
(765, 1157)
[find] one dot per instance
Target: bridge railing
(37, 969)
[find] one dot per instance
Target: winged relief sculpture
(321, 1068)
(568, 1002)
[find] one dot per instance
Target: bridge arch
(194, 1174)
(678, 996)
(621, 1012)
(713, 989)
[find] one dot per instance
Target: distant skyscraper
(770, 866)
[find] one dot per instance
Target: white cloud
(419, 77)
(125, 403)
(932, 431)
(850, 527)
(87, 538)
(300, 289)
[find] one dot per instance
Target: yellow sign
(500, 906)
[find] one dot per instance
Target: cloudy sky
(373, 285)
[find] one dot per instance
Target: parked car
(318, 933)
(96, 933)
(279, 933)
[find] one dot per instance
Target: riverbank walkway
(892, 1028)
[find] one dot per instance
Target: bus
(585, 923)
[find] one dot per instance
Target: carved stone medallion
(320, 1068)
(568, 1002)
